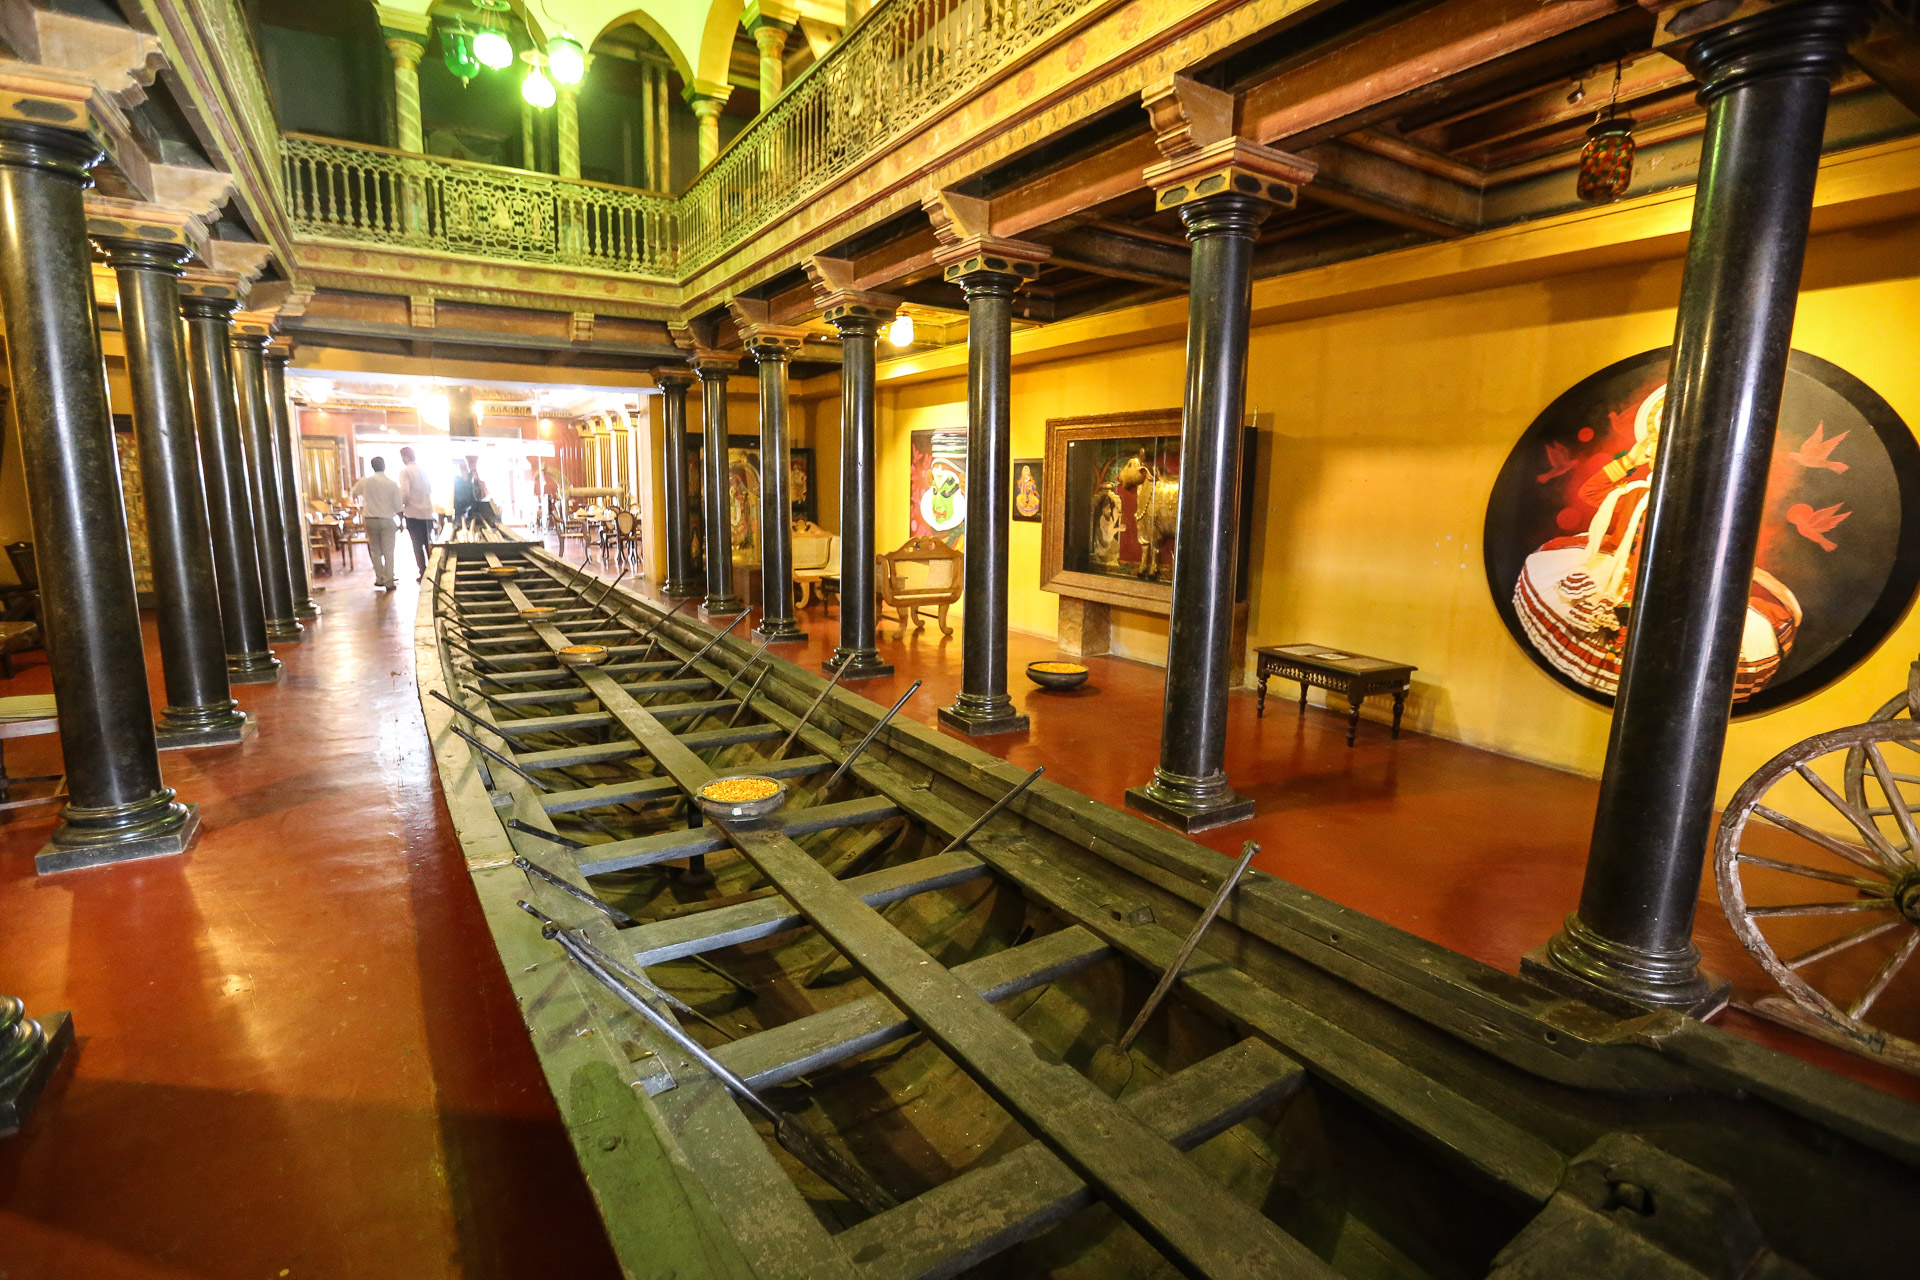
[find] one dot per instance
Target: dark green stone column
(859, 318)
(713, 372)
(682, 581)
(263, 481)
(286, 453)
(771, 350)
(118, 807)
(200, 708)
(208, 304)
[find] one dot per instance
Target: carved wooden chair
(816, 557)
(924, 573)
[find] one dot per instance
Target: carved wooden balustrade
(352, 192)
(902, 63)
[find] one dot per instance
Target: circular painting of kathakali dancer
(1839, 550)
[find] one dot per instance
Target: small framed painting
(1027, 475)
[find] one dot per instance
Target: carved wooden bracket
(1187, 115)
(753, 318)
(243, 258)
(420, 312)
(834, 292)
(122, 61)
(581, 328)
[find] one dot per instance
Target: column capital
(764, 340)
(713, 366)
(1750, 40)
(404, 22)
(667, 377)
(706, 97)
(964, 226)
(150, 235)
(1202, 156)
(406, 51)
(221, 290)
(1231, 166)
(280, 351)
(840, 302)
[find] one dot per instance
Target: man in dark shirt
(462, 496)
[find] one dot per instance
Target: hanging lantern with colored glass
(1606, 164)
(493, 49)
(457, 52)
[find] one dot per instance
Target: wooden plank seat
(28, 716)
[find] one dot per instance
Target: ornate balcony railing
(344, 191)
(900, 65)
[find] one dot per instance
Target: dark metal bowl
(742, 810)
(1057, 679)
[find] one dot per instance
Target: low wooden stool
(16, 637)
(27, 717)
(1357, 676)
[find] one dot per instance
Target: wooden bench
(1337, 671)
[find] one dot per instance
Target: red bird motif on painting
(1814, 525)
(1817, 450)
(1559, 462)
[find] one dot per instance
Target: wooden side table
(1335, 670)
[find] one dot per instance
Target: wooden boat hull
(1324, 1095)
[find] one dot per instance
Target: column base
(306, 609)
(1622, 980)
(861, 664)
(1190, 804)
(53, 1035)
(682, 590)
(979, 717)
(285, 629)
(780, 631)
(174, 735)
(725, 607)
(84, 839)
(252, 668)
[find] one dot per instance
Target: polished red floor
(299, 1057)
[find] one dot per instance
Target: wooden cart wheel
(1906, 761)
(1833, 918)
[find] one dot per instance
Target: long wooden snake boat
(837, 1042)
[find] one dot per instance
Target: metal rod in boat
(662, 620)
(746, 699)
(458, 732)
(1013, 793)
(702, 652)
(609, 591)
(802, 722)
(612, 913)
(804, 1144)
(479, 720)
(872, 733)
(1186, 948)
(751, 659)
(552, 836)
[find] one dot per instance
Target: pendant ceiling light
(1606, 162)
(900, 332)
(493, 49)
(566, 59)
(457, 52)
(537, 89)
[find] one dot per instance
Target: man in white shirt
(379, 507)
(416, 508)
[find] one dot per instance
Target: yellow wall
(1381, 431)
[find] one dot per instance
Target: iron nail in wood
(746, 699)
(872, 733)
(608, 592)
(802, 722)
(803, 1143)
(553, 837)
(479, 720)
(660, 622)
(458, 732)
(702, 651)
(1013, 793)
(1193, 940)
(532, 868)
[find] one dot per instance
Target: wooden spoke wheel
(1822, 883)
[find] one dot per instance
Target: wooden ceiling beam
(1120, 257)
(1367, 183)
(1376, 76)
(1648, 76)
